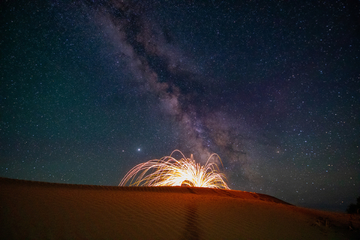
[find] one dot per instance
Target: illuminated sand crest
(168, 171)
(39, 210)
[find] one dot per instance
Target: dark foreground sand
(38, 210)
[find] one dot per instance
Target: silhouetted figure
(187, 183)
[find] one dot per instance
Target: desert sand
(39, 210)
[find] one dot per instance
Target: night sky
(89, 89)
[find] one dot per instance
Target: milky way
(157, 64)
(92, 88)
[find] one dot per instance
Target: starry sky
(89, 89)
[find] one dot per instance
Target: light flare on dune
(169, 171)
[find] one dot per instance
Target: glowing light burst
(168, 171)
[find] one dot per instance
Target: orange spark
(168, 171)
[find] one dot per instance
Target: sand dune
(38, 210)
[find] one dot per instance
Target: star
(263, 93)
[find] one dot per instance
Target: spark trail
(169, 171)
